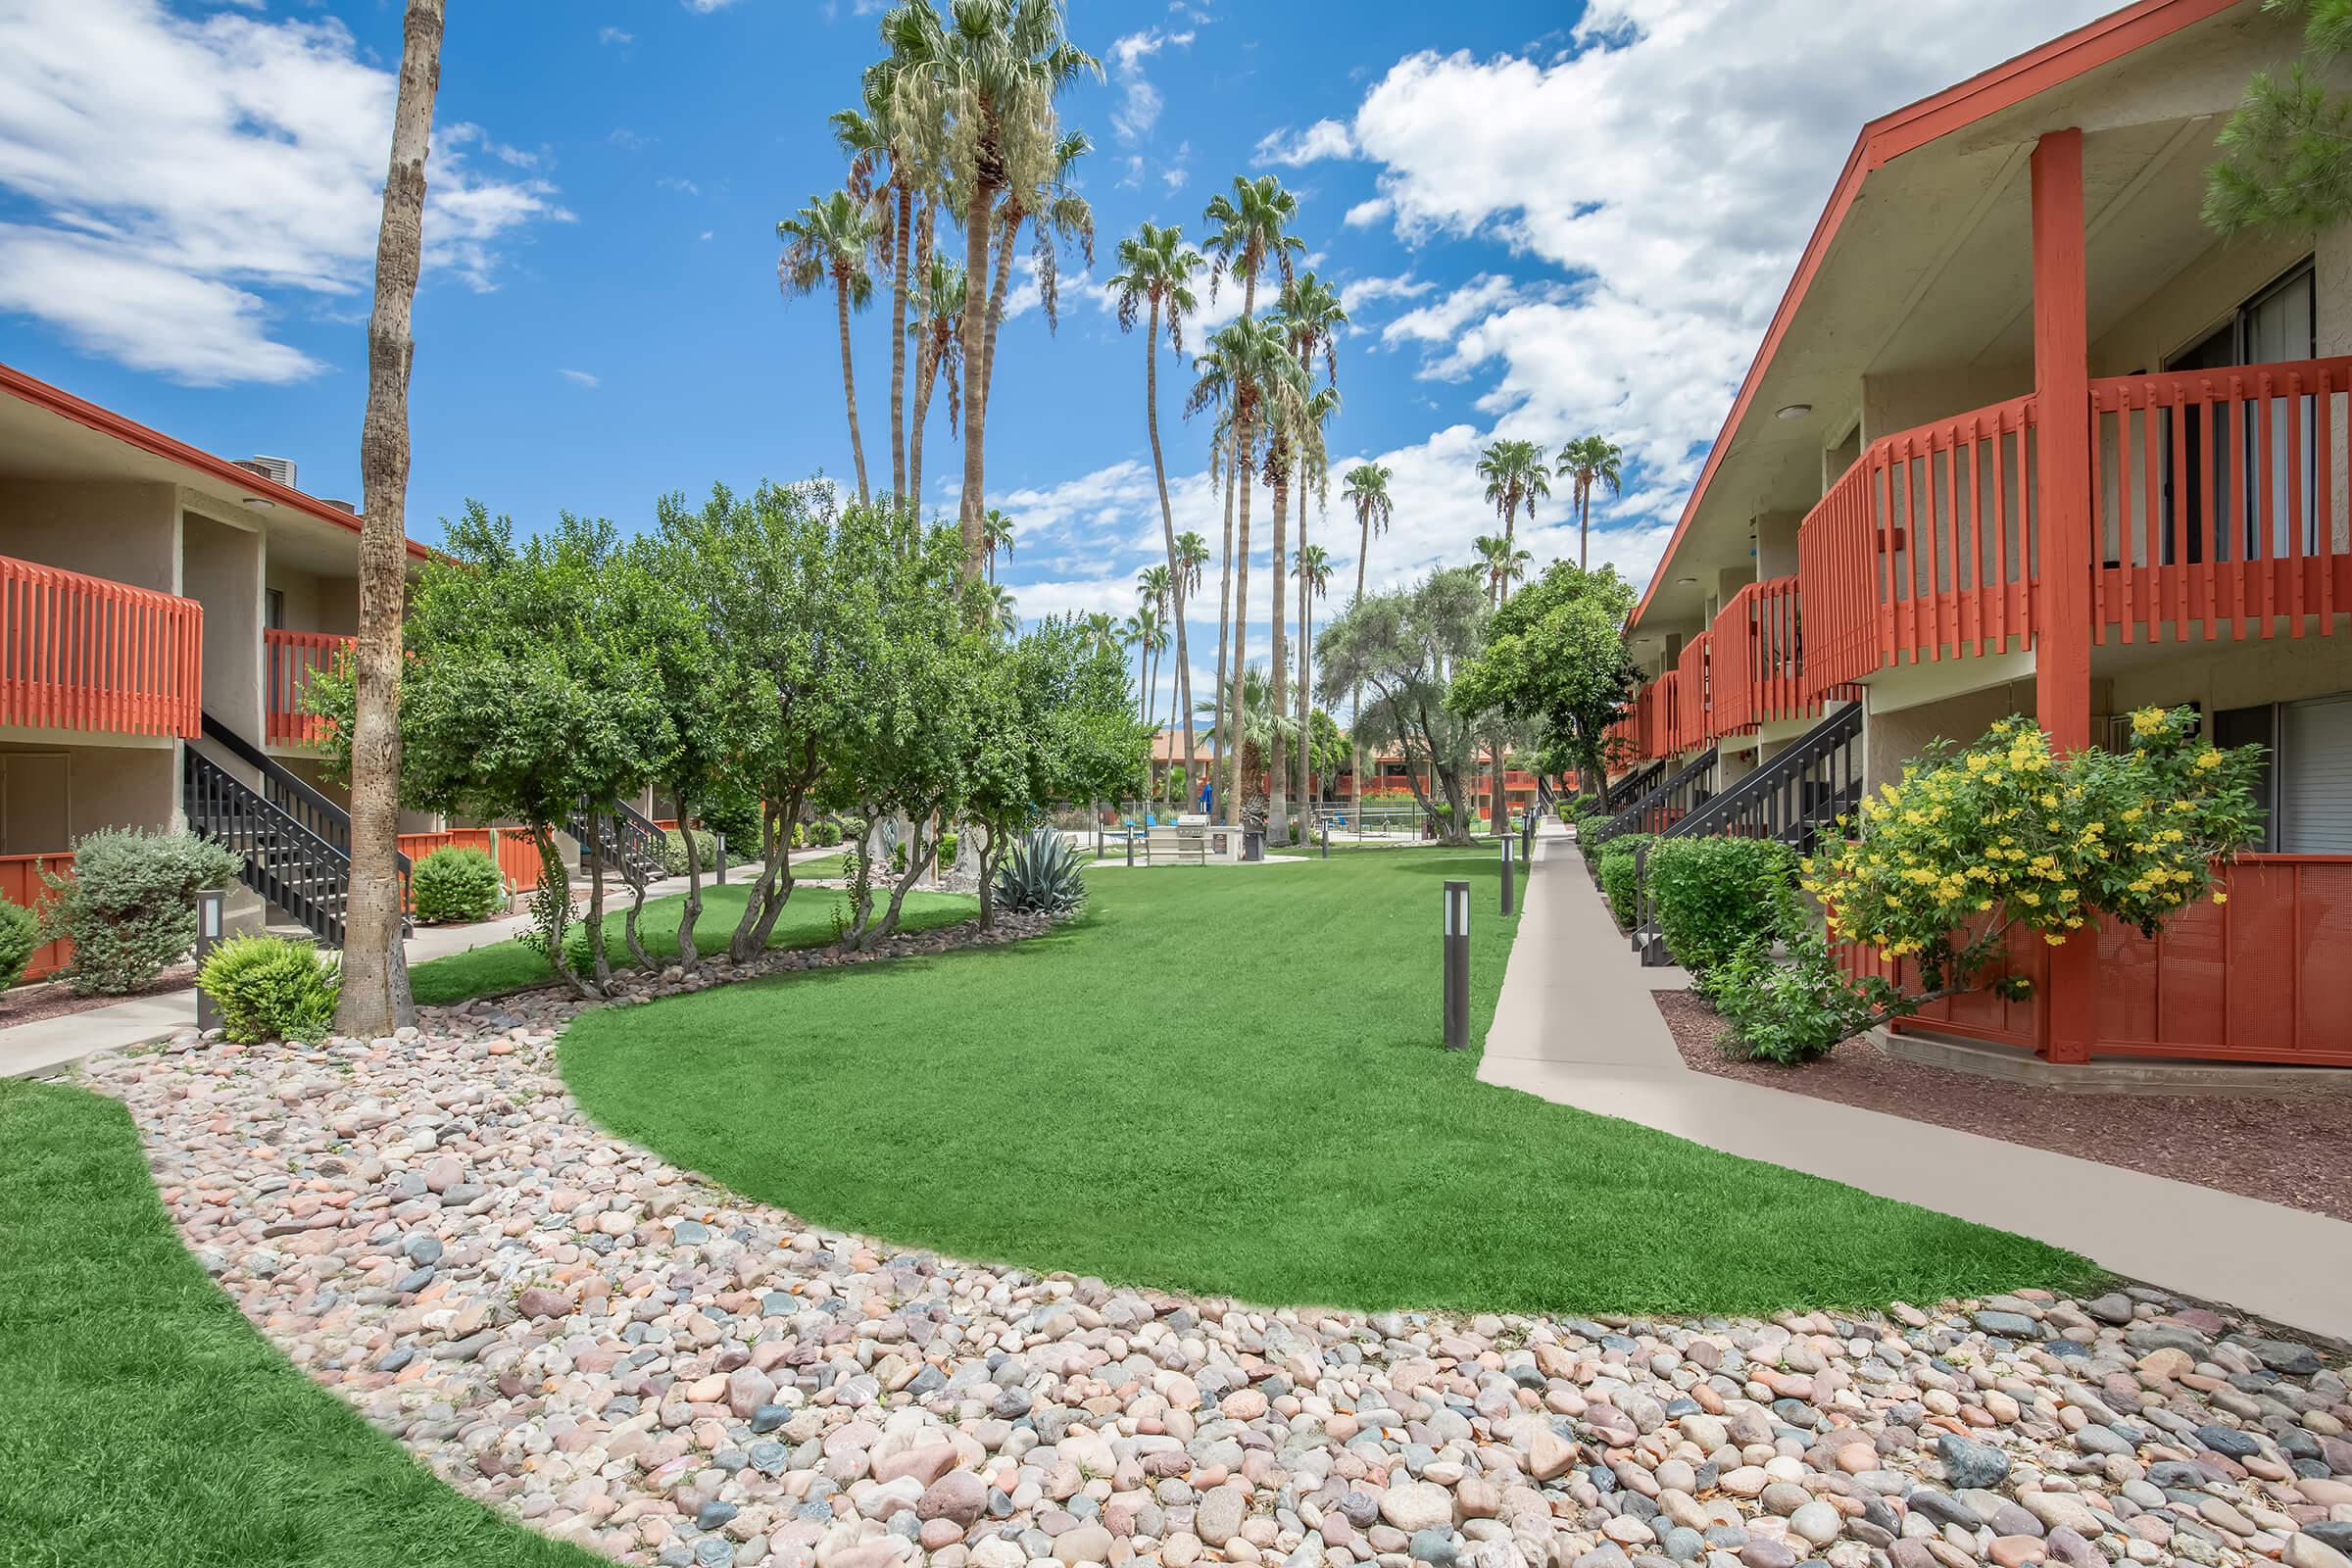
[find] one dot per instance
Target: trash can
(1253, 844)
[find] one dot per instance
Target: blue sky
(1544, 220)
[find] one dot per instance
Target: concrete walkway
(1576, 1025)
(50, 1045)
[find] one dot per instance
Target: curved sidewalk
(1576, 1025)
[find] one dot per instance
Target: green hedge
(1714, 896)
(1619, 881)
(19, 934)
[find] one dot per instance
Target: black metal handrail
(284, 862)
(1631, 787)
(1662, 807)
(291, 793)
(625, 838)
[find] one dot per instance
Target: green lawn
(807, 921)
(1231, 1081)
(147, 1422)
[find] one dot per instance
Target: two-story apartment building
(160, 612)
(2025, 435)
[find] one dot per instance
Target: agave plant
(1039, 875)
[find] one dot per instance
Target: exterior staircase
(295, 842)
(626, 839)
(1790, 799)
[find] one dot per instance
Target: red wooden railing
(21, 884)
(289, 660)
(1757, 669)
(1690, 727)
(2260, 978)
(83, 653)
(2215, 499)
(1925, 545)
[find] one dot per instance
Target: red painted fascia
(56, 400)
(1907, 129)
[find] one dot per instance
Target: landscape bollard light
(211, 905)
(1130, 850)
(718, 857)
(1327, 838)
(1457, 965)
(1510, 883)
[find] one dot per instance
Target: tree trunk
(849, 380)
(1167, 533)
(1307, 661)
(998, 289)
(688, 957)
(898, 353)
(1216, 733)
(926, 370)
(1583, 532)
(969, 507)
(600, 967)
(375, 999)
(1278, 770)
(1238, 715)
(1355, 699)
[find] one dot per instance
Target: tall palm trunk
(926, 370)
(1216, 733)
(1277, 767)
(1584, 514)
(998, 288)
(1355, 697)
(375, 999)
(1306, 654)
(898, 348)
(1167, 533)
(976, 215)
(1233, 707)
(849, 378)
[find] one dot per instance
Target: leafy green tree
(1555, 661)
(829, 240)
(1403, 648)
(2287, 151)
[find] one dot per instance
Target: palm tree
(879, 142)
(1248, 725)
(1145, 633)
(1214, 385)
(1311, 565)
(996, 533)
(1155, 585)
(1191, 555)
(937, 352)
(1586, 461)
(1266, 385)
(1289, 428)
(1059, 214)
(375, 999)
(830, 238)
(1504, 563)
(1367, 491)
(978, 92)
(1312, 317)
(1156, 270)
(1004, 613)
(1515, 478)
(1248, 230)
(1101, 631)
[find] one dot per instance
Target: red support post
(2063, 612)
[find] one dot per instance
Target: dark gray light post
(1327, 838)
(1130, 837)
(1510, 882)
(718, 854)
(212, 905)
(1457, 965)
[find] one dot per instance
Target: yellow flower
(2210, 760)
(2219, 897)
(2133, 815)
(2050, 800)
(2148, 721)
(2056, 939)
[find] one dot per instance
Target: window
(2315, 776)
(273, 609)
(2225, 443)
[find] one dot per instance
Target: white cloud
(1673, 233)
(579, 377)
(209, 163)
(683, 187)
(1139, 101)
(1325, 139)
(705, 7)
(616, 36)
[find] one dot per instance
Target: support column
(2062, 495)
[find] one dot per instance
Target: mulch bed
(31, 1004)
(2294, 1150)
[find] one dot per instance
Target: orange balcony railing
(1689, 726)
(289, 660)
(1756, 660)
(82, 652)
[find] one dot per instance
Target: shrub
(947, 849)
(456, 886)
(898, 859)
(674, 850)
(800, 835)
(1789, 1012)
(1040, 874)
(1714, 896)
(827, 833)
(19, 934)
(271, 988)
(129, 905)
(1620, 881)
(739, 820)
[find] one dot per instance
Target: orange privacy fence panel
(21, 885)
(82, 652)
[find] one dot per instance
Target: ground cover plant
(807, 921)
(1231, 1081)
(162, 1427)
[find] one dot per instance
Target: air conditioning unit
(340, 505)
(279, 471)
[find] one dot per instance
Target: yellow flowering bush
(1972, 842)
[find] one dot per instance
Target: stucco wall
(121, 531)
(2222, 674)
(1893, 736)
(103, 786)
(221, 567)
(315, 603)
